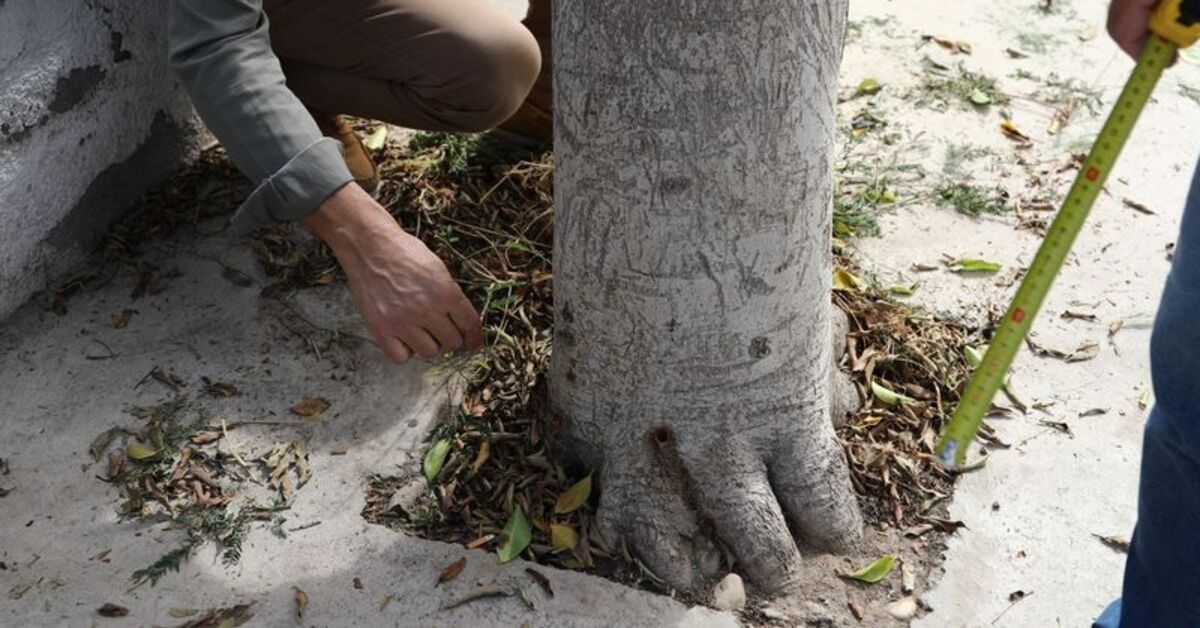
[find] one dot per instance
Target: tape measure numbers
(1176, 24)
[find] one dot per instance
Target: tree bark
(692, 264)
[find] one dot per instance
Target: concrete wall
(89, 117)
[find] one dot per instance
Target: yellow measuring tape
(1175, 25)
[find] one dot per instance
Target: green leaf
(974, 356)
(975, 266)
(889, 397)
(516, 536)
(574, 497)
(867, 87)
(980, 97)
(138, 451)
(435, 458)
(874, 572)
(514, 244)
(845, 281)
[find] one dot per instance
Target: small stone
(817, 615)
(903, 609)
(730, 594)
(908, 578)
(772, 613)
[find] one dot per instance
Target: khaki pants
(448, 65)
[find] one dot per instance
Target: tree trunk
(692, 278)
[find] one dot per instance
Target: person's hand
(1129, 24)
(402, 290)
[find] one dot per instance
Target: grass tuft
(971, 200)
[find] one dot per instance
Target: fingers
(466, 319)
(445, 333)
(1129, 24)
(394, 349)
(420, 341)
(737, 498)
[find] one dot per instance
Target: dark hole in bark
(662, 436)
(760, 348)
(675, 185)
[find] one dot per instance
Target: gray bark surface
(692, 278)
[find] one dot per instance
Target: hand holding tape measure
(1174, 25)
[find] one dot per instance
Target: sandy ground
(1032, 512)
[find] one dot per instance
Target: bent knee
(498, 69)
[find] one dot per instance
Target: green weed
(944, 86)
(971, 200)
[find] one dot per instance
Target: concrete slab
(90, 115)
(68, 378)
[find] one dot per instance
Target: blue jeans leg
(1162, 573)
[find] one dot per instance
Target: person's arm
(221, 51)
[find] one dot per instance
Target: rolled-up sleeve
(221, 51)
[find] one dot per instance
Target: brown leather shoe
(535, 119)
(357, 159)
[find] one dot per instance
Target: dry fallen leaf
(452, 570)
(1078, 316)
(231, 617)
(1087, 351)
(1114, 543)
(1011, 131)
(541, 579)
(219, 389)
(301, 602)
(121, 321)
(112, 610)
(477, 594)
(563, 536)
(953, 45)
(845, 281)
(481, 541)
(311, 407)
(574, 497)
(1137, 207)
